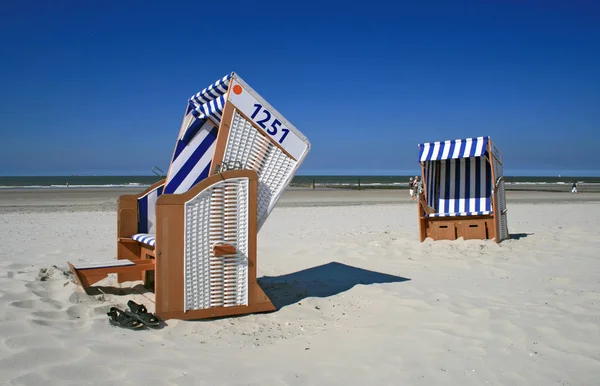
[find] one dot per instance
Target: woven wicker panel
(217, 215)
(248, 148)
(499, 172)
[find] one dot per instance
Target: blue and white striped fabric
(196, 146)
(455, 149)
(465, 187)
(210, 101)
(147, 210)
(191, 161)
(212, 92)
(145, 238)
(430, 183)
(212, 109)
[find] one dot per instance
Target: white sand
(526, 312)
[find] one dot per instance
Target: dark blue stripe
(213, 96)
(456, 193)
(488, 184)
(452, 147)
(477, 184)
(204, 174)
(442, 147)
(447, 180)
(430, 152)
(178, 149)
(434, 185)
(192, 131)
(430, 178)
(468, 184)
(473, 148)
(224, 85)
(143, 215)
(189, 165)
(461, 152)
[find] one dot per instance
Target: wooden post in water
(359, 183)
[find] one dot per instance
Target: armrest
(426, 208)
(224, 250)
(182, 198)
(151, 188)
(127, 216)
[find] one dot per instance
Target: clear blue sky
(101, 87)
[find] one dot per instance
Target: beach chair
(463, 194)
(192, 237)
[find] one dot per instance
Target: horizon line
(582, 173)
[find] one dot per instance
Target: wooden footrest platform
(90, 273)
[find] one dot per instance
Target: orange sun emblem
(237, 89)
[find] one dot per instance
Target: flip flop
(123, 318)
(140, 312)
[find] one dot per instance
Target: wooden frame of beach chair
(226, 126)
(463, 193)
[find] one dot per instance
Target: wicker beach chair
(463, 190)
(192, 236)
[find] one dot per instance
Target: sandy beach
(360, 300)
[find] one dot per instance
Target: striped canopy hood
(453, 149)
(196, 143)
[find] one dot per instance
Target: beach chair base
(260, 304)
(452, 228)
(89, 274)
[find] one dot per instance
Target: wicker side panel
(217, 215)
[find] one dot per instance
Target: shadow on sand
(138, 289)
(321, 281)
(518, 236)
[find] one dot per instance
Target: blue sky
(101, 87)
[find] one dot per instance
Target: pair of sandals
(137, 317)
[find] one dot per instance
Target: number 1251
(274, 127)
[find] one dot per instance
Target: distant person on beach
(574, 188)
(418, 186)
(411, 188)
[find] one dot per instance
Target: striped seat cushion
(465, 188)
(482, 213)
(145, 238)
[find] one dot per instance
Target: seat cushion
(457, 214)
(145, 238)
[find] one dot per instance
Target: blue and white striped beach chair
(463, 190)
(234, 157)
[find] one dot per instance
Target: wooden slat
(169, 274)
(127, 240)
(104, 264)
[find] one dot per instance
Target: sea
(302, 181)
